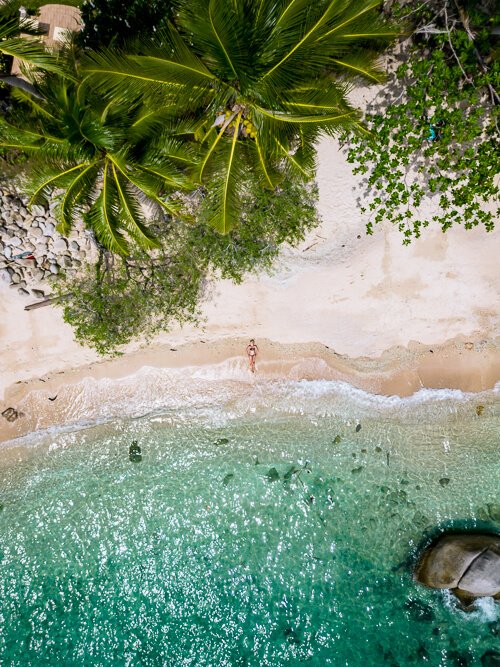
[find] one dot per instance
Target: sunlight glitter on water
(277, 535)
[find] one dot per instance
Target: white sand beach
(386, 317)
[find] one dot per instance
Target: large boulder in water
(467, 563)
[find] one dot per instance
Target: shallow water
(197, 555)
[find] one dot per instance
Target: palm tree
(110, 161)
(29, 52)
(264, 79)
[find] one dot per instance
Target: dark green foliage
(123, 298)
(116, 22)
(448, 86)
(264, 81)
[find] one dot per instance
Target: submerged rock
(490, 659)
(419, 611)
(134, 452)
(273, 475)
(444, 481)
(228, 478)
(466, 563)
(358, 428)
(494, 512)
(293, 470)
(337, 439)
(221, 441)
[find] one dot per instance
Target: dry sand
(368, 310)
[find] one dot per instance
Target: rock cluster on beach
(33, 230)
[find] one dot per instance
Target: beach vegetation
(117, 23)
(122, 298)
(434, 128)
(262, 81)
(109, 166)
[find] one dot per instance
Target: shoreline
(471, 365)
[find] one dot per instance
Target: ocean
(265, 524)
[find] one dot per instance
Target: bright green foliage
(262, 79)
(123, 298)
(109, 160)
(447, 86)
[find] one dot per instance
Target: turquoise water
(199, 556)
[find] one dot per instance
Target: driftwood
(47, 302)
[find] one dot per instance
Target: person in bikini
(252, 351)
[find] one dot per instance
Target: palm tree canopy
(103, 156)
(266, 77)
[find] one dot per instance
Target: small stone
(38, 293)
(358, 428)
(60, 245)
(74, 245)
(35, 232)
(54, 269)
(479, 410)
(444, 481)
(38, 210)
(48, 229)
(5, 276)
(23, 292)
(15, 278)
(28, 246)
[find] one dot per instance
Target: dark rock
(490, 659)
(467, 563)
(459, 659)
(356, 470)
(291, 471)
(419, 611)
(134, 452)
(228, 478)
(221, 441)
(291, 635)
(378, 449)
(494, 512)
(444, 481)
(358, 428)
(337, 439)
(479, 410)
(273, 475)
(494, 628)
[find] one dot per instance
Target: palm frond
(78, 194)
(225, 213)
(103, 216)
(131, 215)
(31, 52)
